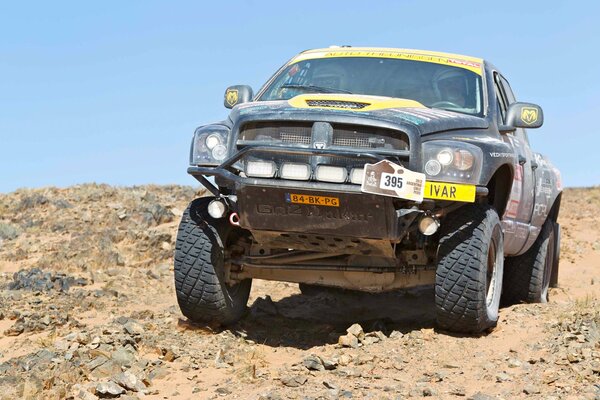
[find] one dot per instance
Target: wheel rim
(491, 273)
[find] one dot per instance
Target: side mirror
(524, 115)
(237, 94)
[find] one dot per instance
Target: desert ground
(87, 310)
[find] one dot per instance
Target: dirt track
(118, 330)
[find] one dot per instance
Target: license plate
(312, 200)
(449, 191)
(388, 179)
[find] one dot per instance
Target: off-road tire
(202, 293)
(556, 261)
(527, 277)
(471, 242)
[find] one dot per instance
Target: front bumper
(265, 205)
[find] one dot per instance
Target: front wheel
(202, 293)
(469, 270)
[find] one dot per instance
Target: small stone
(531, 389)
(133, 328)
(294, 380)
(502, 377)
(328, 363)
(356, 330)
(223, 391)
(481, 396)
(549, 376)
(514, 363)
(129, 381)
(109, 389)
(396, 335)
(348, 341)
(122, 357)
(170, 356)
(344, 359)
(313, 363)
(458, 391)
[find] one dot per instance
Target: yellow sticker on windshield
(469, 63)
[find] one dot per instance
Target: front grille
(326, 135)
(350, 105)
(277, 131)
(344, 135)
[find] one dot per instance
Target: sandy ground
(127, 309)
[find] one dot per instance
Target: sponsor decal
(529, 115)
(473, 66)
(231, 97)
(515, 194)
(501, 155)
(388, 179)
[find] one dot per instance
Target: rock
(458, 391)
(109, 389)
(122, 357)
(481, 396)
(531, 389)
(313, 363)
(549, 376)
(502, 377)
(396, 335)
(514, 363)
(294, 380)
(356, 330)
(348, 341)
(35, 279)
(129, 381)
(223, 391)
(133, 328)
(329, 364)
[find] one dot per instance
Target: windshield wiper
(316, 88)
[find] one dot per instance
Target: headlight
(451, 161)
(209, 146)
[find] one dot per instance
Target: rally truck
(372, 169)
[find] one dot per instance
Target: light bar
(260, 169)
(329, 173)
(356, 175)
(297, 172)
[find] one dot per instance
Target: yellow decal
(470, 63)
(349, 102)
(529, 115)
(449, 191)
(231, 97)
(312, 200)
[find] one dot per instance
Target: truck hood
(319, 106)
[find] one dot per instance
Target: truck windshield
(433, 85)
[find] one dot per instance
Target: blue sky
(111, 91)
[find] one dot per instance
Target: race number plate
(388, 179)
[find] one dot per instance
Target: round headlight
(463, 160)
(219, 152)
(445, 157)
(433, 167)
(212, 140)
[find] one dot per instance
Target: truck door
(517, 217)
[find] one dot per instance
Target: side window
(520, 133)
(501, 102)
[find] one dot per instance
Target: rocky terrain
(87, 310)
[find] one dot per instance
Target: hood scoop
(350, 102)
(345, 104)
